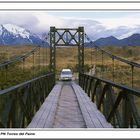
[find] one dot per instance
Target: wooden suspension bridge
(92, 102)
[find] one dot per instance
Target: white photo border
(78, 5)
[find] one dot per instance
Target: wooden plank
(84, 111)
(50, 103)
(40, 112)
(42, 119)
(97, 113)
(44, 113)
(51, 116)
(48, 117)
(93, 108)
(97, 118)
(94, 121)
(89, 108)
(100, 116)
(68, 113)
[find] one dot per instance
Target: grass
(33, 66)
(8, 52)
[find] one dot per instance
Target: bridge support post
(125, 112)
(81, 51)
(52, 49)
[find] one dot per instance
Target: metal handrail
(20, 103)
(118, 106)
(23, 84)
(117, 85)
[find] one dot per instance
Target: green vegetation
(31, 67)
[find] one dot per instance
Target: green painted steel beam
(67, 37)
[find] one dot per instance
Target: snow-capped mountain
(14, 35)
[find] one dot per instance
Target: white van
(66, 74)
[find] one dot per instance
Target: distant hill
(108, 41)
(14, 35)
(133, 40)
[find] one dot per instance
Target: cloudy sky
(96, 24)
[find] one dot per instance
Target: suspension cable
(48, 36)
(45, 38)
(113, 67)
(39, 60)
(23, 65)
(91, 56)
(33, 57)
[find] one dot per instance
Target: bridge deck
(67, 106)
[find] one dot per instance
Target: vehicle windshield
(66, 72)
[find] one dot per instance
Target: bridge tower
(67, 37)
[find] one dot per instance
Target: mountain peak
(10, 26)
(109, 37)
(16, 30)
(135, 35)
(11, 34)
(108, 41)
(133, 40)
(112, 37)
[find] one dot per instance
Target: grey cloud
(93, 28)
(25, 20)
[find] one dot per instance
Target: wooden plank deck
(68, 106)
(68, 114)
(45, 115)
(93, 117)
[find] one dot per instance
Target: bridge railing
(19, 103)
(116, 101)
(24, 67)
(117, 69)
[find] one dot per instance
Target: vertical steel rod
(23, 65)
(91, 57)
(39, 60)
(132, 75)
(113, 63)
(33, 67)
(102, 67)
